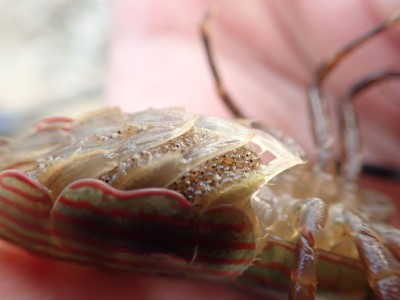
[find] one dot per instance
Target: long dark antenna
(351, 140)
(321, 126)
(223, 94)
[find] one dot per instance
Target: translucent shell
(161, 191)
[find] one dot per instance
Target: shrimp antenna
(223, 94)
(351, 140)
(321, 126)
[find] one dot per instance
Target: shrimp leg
(382, 268)
(304, 268)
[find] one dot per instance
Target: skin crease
(266, 51)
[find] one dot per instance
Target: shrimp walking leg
(304, 269)
(382, 268)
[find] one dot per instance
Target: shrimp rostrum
(165, 191)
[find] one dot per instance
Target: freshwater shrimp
(169, 192)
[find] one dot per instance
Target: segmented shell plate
(160, 191)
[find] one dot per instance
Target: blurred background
(53, 59)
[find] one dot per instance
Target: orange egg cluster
(216, 172)
(205, 178)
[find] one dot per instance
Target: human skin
(267, 51)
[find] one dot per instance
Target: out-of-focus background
(53, 59)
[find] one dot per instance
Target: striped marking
(92, 222)
(146, 221)
(272, 269)
(54, 123)
(33, 238)
(94, 231)
(19, 191)
(27, 223)
(75, 216)
(82, 253)
(23, 208)
(125, 232)
(122, 195)
(67, 209)
(220, 228)
(25, 187)
(97, 256)
(120, 260)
